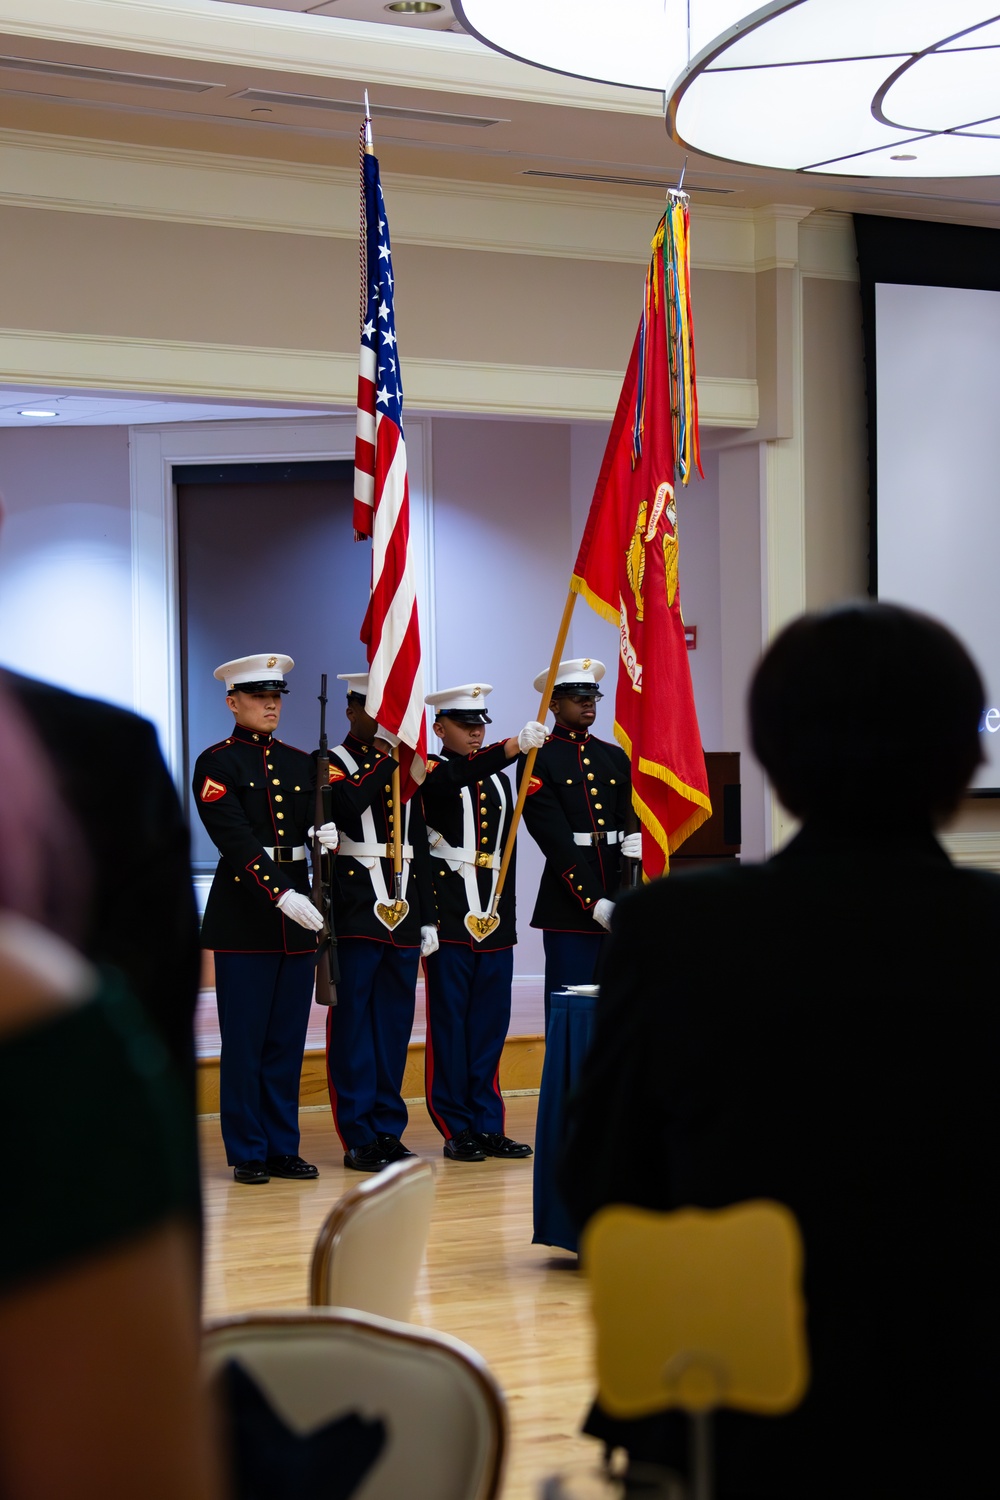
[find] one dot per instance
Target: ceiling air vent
(356, 107)
(650, 182)
(103, 75)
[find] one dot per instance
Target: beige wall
(151, 279)
(836, 446)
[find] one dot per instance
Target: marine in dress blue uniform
(468, 806)
(578, 801)
(368, 1030)
(256, 797)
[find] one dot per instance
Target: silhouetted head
(869, 714)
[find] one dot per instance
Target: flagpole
(529, 760)
(397, 838)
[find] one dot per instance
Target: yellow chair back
(697, 1308)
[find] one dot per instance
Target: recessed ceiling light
(34, 411)
(902, 156)
(414, 7)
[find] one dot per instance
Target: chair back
(443, 1413)
(697, 1308)
(370, 1247)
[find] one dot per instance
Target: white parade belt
(372, 851)
(467, 858)
(455, 857)
(284, 854)
(613, 836)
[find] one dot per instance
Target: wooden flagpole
(397, 837)
(529, 760)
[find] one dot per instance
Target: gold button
(388, 786)
(256, 867)
(612, 781)
(593, 791)
(600, 822)
(275, 782)
(569, 781)
(251, 783)
(279, 816)
(440, 872)
(298, 789)
(237, 879)
(586, 760)
(368, 765)
(391, 818)
(279, 797)
(599, 806)
(590, 774)
(267, 877)
(350, 872)
(484, 841)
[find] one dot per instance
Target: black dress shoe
(291, 1166)
(392, 1147)
(370, 1158)
(251, 1172)
(464, 1147)
(496, 1144)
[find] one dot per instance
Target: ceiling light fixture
(414, 7)
(32, 411)
(829, 86)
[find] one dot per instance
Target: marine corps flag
(627, 565)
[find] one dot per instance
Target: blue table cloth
(571, 1026)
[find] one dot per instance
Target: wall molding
(979, 849)
(69, 174)
(310, 377)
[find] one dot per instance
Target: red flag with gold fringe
(627, 566)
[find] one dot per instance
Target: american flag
(382, 498)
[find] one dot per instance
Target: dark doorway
(267, 562)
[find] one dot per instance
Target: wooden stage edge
(520, 1072)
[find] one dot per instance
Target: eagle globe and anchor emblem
(647, 522)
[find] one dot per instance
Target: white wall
(65, 558)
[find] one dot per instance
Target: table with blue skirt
(567, 1042)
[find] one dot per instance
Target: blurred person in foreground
(99, 1329)
(821, 1030)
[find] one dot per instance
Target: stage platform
(520, 1066)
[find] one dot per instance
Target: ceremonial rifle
(327, 967)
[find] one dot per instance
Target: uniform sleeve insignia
(212, 790)
(534, 784)
(336, 774)
(432, 765)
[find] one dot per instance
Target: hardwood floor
(522, 1306)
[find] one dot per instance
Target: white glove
(602, 913)
(300, 909)
(532, 736)
(387, 735)
(428, 941)
(328, 836)
(632, 846)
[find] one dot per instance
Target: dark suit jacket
(141, 913)
(822, 1030)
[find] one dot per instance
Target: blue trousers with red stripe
(264, 1001)
(468, 1013)
(367, 1034)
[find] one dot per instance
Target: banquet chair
(370, 1247)
(697, 1309)
(313, 1395)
